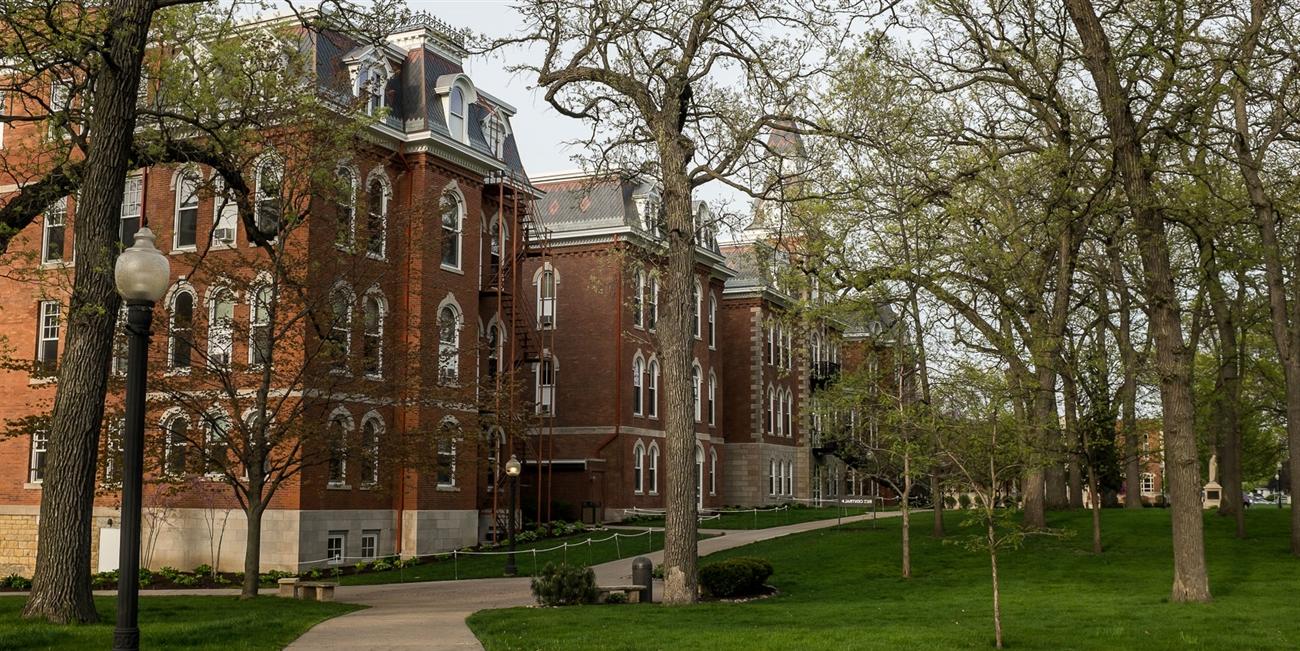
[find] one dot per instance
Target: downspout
(406, 340)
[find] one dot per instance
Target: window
(371, 429)
(259, 326)
(772, 478)
(334, 547)
(130, 215)
(60, 104)
(337, 464)
(216, 445)
(713, 321)
(456, 113)
(770, 414)
(52, 229)
(696, 297)
(452, 215)
(1148, 483)
(713, 397)
(448, 345)
(638, 300)
(494, 131)
(377, 220)
(546, 298)
(546, 385)
(370, 83)
(653, 318)
(369, 544)
(789, 414)
(4, 109)
(494, 350)
(778, 356)
(638, 468)
(447, 454)
(771, 343)
(346, 209)
(789, 478)
(654, 469)
(181, 330)
(113, 452)
(36, 469)
(372, 346)
(339, 339)
(177, 429)
(186, 225)
(221, 324)
(638, 371)
(225, 215)
(780, 413)
(713, 471)
(696, 381)
(47, 341)
(652, 390)
(268, 192)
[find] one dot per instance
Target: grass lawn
(765, 519)
(840, 590)
(176, 623)
(466, 566)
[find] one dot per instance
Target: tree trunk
(1227, 401)
(675, 344)
(993, 569)
(906, 510)
(936, 493)
(1070, 395)
(252, 551)
(1128, 387)
(1191, 580)
(61, 582)
(1096, 508)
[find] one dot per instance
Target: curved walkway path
(431, 615)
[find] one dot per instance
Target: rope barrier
(338, 561)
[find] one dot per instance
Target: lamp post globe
(513, 468)
(141, 274)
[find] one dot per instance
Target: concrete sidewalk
(431, 615)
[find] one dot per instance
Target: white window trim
(545, 390)
(227, 332)
(344, 418)
(697, 390)
(449, 352)
(386, 193)
(638, 468)
(348, 239)
(652, 389)
(342, 538)
(178, 192)
(713, 321)
(381, 304)
(62, 208)
(654, 468)
(49, 310)
(713, 471)
(43, 436)
(171, 327)
(451, 469)
(169, 444)
(699, 310)
(547, 307)
(373, 537)
(459, 232)
(638, 385)
(223, 206)
(252, 314)
(713, 399)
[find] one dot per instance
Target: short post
(643, 573)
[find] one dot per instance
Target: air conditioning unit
(224, 234)
(544, 408)
(546, 320)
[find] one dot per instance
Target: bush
(103, 579)
(381, 565)
(616, 598)
(203, 570)
(964, 500)
(16, 582)
(564, 585)
(735, 577)
(186, 579)
(169, 573)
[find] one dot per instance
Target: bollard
(643, 573)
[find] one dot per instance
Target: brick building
(411, 273)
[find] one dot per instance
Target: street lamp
(513, 467)
(141, 274)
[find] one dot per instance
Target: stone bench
(633, 592)
(287, 588)
(317, 590)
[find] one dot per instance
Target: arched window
(696, 312)
(269, 191)
(374, 309)
(789, 413)
(638, 299)
(377, 219)
(448, 344)
(453, 214)
(713, 471)
(713, 321)
(779, 357)
(771, 342)
(545, 393)
(493, 350)
(181, 330)
(494, 249)
(697, 379)
(773, 477)
(259, 325)
(340, 332)
(770, 414)
(456, 113)
(221, 324)
(654, 468)
(546, 298)
(652, 319)
(346, 209)
(638, 468)
(699, 475)
(447, 436)
(652, 389)
(216, 444)
(713, 399)
(337, 441)
(177, 430)
(780, 413)
(638, 372)
(371, 429)
(186, 224)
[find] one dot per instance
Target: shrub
(103, 579)
(16, 582)
(203, 570)
(381, 565)
(564, 585)
(169, 573)
(964, 500)
(658, 572)
(616, 598)
(735, 577)
(186, 579)
(146, 577)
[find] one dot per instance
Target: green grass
(840, 589)
(766, 519)
(465, 566)
(176, 623)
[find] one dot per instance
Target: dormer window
(494, 131)
(370, 87)
(456, 113)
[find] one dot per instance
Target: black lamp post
(513, 467)
(141, 275)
